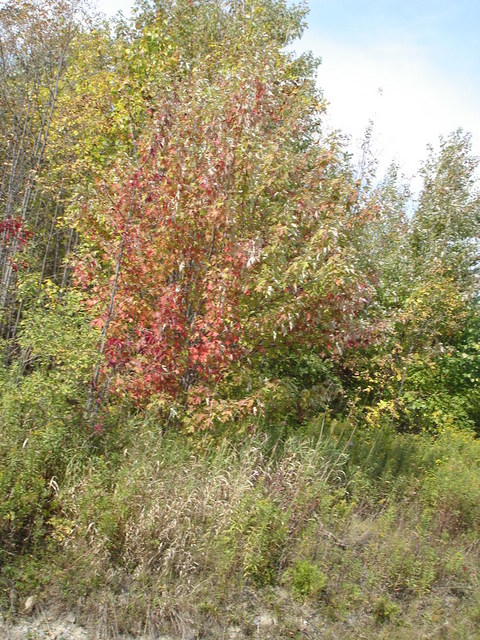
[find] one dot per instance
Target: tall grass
(340, 529)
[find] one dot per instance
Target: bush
(42, 416)
(256, 536)
(452, 488)
(307, 579)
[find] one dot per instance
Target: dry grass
(208, 541)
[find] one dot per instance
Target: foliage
(229, 355)
(427, 307)
(40, 43)
(42, 404)
(205, 248)
(216, 532)
(308, 580)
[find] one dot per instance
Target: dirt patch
(43, 627)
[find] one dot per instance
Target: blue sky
(411, 66)
(446, 32)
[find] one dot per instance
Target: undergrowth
(147, 529)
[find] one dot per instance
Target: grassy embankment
(343, 533)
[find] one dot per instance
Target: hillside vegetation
(239, 376)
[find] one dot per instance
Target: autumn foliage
(239, 370)
(178, 175)
(229, 230)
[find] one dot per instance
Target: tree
(228, 231)
(41, 47)
(427, 297)
(446, 225)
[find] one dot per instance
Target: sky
(412, 67)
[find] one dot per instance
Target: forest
(239, 369)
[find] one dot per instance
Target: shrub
(307, 579)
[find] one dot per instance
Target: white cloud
(418, 101)
(410, 102)
(110, 7)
